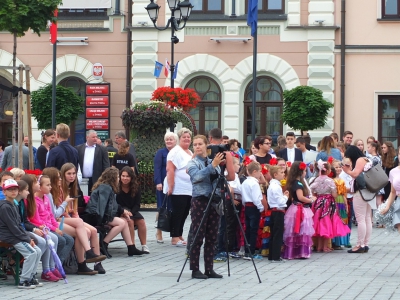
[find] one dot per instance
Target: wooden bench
(7, 250)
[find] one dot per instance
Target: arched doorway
(6, 112)
(207, 114)
(77, 127)
(269, 101)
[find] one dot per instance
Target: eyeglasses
(267, 143)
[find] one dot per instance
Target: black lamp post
(180, 11)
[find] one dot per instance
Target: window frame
(383, 11)
(205, 10)
(265, 9)
(206, 103)
(263, 105)
(381, 118)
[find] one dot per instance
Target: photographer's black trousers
(208, 232)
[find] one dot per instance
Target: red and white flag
(166, 68)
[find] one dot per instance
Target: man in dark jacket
(108, 143)
(64, 152)
(12, 232)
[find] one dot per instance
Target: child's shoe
(56, 273)
(257, 256)
(35, 282)
(234, 255)
(220, 257)
(247, 256)
(49, 276)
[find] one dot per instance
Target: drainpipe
(128, 61)
(342, 64)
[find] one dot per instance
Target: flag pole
(253, 100)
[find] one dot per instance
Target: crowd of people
(281, 203)
(48, 209)
(290, 200)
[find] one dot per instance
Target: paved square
(336, 275)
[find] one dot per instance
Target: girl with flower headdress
(327, 223)
(298, 219)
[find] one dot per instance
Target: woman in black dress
(129, 198)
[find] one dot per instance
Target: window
(269, 6)
(387, 107)
(268, 109)
(78, 134)
(390, 9)
(207, 114)
(207, 6)
(82, 14)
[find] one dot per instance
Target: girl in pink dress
(327, 223)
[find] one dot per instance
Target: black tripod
(223, 185)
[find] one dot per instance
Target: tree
(69, 106)
(304, 108)
(17, 17)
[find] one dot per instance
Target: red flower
(264, 169)
(9, 169)
(273, 161)
(247, 161)
(302, 166)
(289, 164)
(177, 97)
(330, 174)
(330, 159)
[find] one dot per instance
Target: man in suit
(290, 153)
(7, 157)
(121, 137)
(93, 158)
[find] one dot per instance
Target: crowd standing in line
(287, 204)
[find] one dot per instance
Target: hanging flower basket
(176, 97)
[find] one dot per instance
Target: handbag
(164, 216)
(371, 182)
(70, 264)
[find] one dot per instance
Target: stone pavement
(336, 275)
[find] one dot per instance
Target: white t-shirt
(180, 159)
(347, 180)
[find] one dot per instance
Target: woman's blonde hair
(182, 131)
(109, 176)
(123, 148)
(18, 173)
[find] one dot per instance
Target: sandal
(180, 244)
(327, 250)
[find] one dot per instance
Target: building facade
(299, 43)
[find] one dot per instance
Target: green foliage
(304, 108)
(18, 16)
(68, 106)
(147, 187)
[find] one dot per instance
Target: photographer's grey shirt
(199, 170)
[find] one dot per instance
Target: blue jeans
(65, 244)
(252, 222)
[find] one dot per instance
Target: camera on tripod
(212, 150)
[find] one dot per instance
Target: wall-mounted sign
(97, 124)
(103, 135)
(97, 101)
(96, 113)
(97, 89)
(98, 71)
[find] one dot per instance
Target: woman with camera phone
(199, 169)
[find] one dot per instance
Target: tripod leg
(241, 228)
(205, 213)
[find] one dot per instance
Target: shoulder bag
(371, 182)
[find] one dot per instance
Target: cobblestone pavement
(336, 275)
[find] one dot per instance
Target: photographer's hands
(219, 158)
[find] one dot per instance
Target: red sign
(97, 124)
(97, 101)
(96, 113)
(97, 89)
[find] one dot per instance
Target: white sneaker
(145, 249)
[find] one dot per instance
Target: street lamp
(180, 11)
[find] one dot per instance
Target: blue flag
(175, 71)
(157, 69)
(252, 16)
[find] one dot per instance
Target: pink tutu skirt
(327, 223)
(298, 245)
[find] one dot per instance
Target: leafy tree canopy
(68, 106)
(17, 16)
(304, 108)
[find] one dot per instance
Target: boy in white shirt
(251, 199)
(277, 203)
